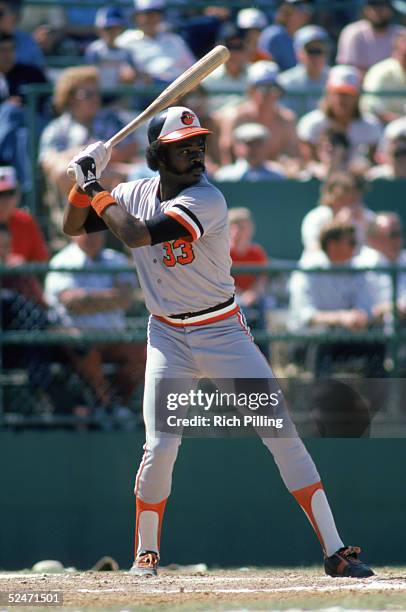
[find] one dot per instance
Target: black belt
(188, 315)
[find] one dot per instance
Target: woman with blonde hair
(81, 121)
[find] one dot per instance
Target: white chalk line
(355, 584)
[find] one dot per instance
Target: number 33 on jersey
(177, 252)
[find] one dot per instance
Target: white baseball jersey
(183, 275)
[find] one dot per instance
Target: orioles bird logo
(187, 118)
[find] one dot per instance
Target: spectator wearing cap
(26, 49)
(369, 40)
(387, 76)
(27, 240)
(309, 76)
(250, 150)
(340, 109)
(251, 22)
(115, 64)
(262, 106)
(277, 39)
(231, 77)
(162, 55)
(394, 161)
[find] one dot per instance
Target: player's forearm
(131, 231)
(74, 219)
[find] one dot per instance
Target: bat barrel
(180, 86)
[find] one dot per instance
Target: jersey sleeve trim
(184, 215)
(190, 226)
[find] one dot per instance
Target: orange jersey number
(185, 257)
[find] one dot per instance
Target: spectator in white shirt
(385, 248)
(336, 300)
(369, 40)
(309, 76)
(387, 76)
(162, 55)
(97, 302)
(340, 109)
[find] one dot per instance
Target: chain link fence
(68, 364)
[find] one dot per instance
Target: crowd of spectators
(305, 94)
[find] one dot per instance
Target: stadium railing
(15, 408)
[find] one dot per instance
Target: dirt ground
(231, 590)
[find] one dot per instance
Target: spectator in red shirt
(250, 288)
(26, 237)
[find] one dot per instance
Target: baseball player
(176, 226)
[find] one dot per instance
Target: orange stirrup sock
(148, 525)
(101, 201)
(78, 198)
(314, 503)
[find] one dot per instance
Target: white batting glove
(89, 164)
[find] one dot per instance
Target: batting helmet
(175, 123)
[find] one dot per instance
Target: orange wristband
(101, 201)
(78, 199)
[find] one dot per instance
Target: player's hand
(89, 164)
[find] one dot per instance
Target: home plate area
(241, 589)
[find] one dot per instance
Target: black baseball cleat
(345, 564)
(146, 564)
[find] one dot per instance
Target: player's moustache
(198, 164)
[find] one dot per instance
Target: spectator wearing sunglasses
(277, 39)
(262, 106)
(81, 121)
(384, 247)
(309, 76)
(369, 40)
(231, 77)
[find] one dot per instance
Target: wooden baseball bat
(180, 86)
